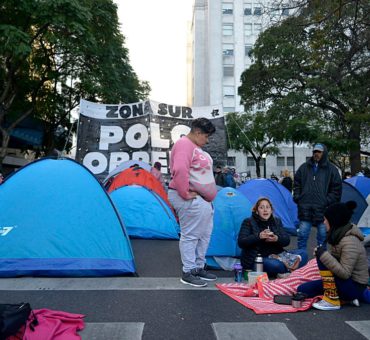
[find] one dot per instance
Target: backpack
(13, 319)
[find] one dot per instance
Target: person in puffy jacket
(343, 269)
(317, 184)
(263, 233)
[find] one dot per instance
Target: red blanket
(263, 304)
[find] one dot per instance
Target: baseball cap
(318, 147)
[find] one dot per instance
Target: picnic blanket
(263, 303)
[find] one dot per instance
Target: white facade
(222, 34)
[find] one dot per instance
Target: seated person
(264, 234)
(343, 268)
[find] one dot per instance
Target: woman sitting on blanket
(264, 234)
(343, 269)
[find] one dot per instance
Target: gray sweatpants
(196, 224)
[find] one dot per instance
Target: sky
(156, 37)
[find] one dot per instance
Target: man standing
(219, 176)
(191, 192)
(317, 184)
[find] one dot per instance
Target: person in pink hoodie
(191, 191)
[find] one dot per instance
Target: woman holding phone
(263, 233)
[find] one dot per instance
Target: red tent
(138, 176)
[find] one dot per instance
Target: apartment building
(223, 33)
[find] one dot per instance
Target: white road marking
(104, 283)
(252, 330)
(362, 327)
(112, 331)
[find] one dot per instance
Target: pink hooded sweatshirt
(192, 170)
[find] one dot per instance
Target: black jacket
(220, 179)
(313, 192)
(251, 244)
(288, 183)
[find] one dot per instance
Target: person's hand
(192, 194)
(318, 251)
(265, 234)
(272, 238)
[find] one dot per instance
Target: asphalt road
(157, 306)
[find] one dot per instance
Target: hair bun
(351, 205)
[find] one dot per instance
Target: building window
(285, 12)
(289, 161)
(229, 91)
(227, 8)
(228, 71)
(250, 161)
(257, 28)
(228, 49)
(227, 29)
(247, 9)
(229, 109)
(257, 11)
(248, 49)
(280, 161)
(275, 12)
(231, 161)
(247, 29)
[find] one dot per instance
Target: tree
(252, 134)
(54, 52)
(318, 63)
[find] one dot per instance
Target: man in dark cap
(317, 184)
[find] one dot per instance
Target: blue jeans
(304, 233)
(274, 266)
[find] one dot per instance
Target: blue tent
(350, 193)
(281, 198)
(361, 183)
(57, 220)
(231, 209)
(144, 213)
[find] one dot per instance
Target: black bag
(13, 319)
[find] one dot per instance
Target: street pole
(264, 164)
(293, 159)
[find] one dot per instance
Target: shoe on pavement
(204, 275)
(189, 279)
(355, 302)
(324, 305)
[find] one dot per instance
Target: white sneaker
(283, 275)
(356, 303)
(324, 305)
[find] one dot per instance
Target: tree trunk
(258, 170)
(4, 147)
(354, 153)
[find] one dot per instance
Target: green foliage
(52, 53)
(253, 134)
(313, 69)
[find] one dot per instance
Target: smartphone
(283, 299)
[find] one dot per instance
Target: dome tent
(350, 193)
(231, 208)
(68, 225)
(361, 183)
(144, 213)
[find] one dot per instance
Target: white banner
(109, 134)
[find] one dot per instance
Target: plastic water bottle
(238, 272)
(259, 263)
